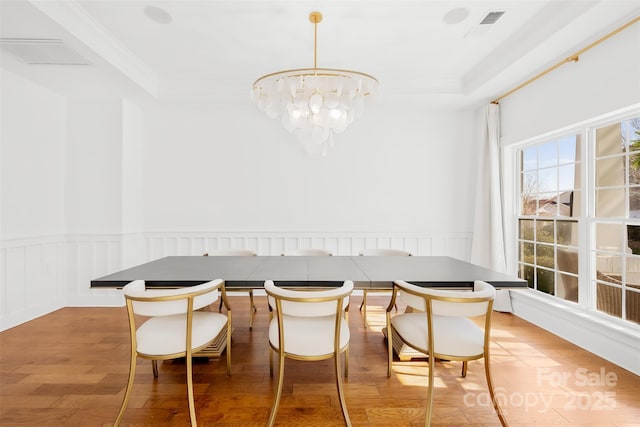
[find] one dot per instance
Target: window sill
(613, 340)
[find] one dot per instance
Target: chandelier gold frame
(314, 102)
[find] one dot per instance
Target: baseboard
(612, 340)
(16, 318)
(97, 298)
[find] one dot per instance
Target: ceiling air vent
(42, 51)
(491, 18)
(484, 25)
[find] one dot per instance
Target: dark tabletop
(365, 271)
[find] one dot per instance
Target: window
(616, 220)
(552, 225)
(549, 212)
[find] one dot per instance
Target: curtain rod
(572, 58)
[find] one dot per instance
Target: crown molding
(75, 20)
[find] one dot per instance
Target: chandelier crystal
(314, 103)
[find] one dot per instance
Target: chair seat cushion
(308, 336)
(167, 334)
(453, 336)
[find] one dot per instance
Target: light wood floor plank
(70, 368)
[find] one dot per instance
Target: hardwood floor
(70, 368)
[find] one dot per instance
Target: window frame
(519, 216)
(586, 131)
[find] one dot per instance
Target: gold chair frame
(188, 354)
(428, 300)
(335, 354)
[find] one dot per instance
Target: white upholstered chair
(377, 252)
(307, 252)
(441, 328)
(309, 325)
(238, 252)
(173, 328)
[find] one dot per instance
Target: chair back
(231, 252)
(309, 303)
(167, 302)
(384, 252)
(307, 252)
(448, 302)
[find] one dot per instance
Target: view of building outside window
(549, 212)
(550, 215)
(616, 195)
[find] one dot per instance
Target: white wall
(94, 165)
(33, 159)
(606, 79)
(132, 167)
(395, 170)
(33, 146)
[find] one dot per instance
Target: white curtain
(487, 247)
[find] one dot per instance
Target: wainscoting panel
(32, 279)
(160, 244)
(42, 274)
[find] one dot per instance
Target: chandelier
(314, 103)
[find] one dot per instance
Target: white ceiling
(212, 51)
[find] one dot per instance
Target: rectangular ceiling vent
(42, 51)
(491, 18)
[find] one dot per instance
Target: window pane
(609, 269)
(609, 299)
(529, 158)
(633, 239)
(544, 231)
(634, 202)
(608, 140)
(632, 305)
(575, 210)
(567, 287)
(565, 203)
(547, 204)
(568, 260)
(609, 237)
(630, 132)
(567, 177)
(526, 229)
(610, 171)
(566, 231)
(528, 193)
(526, 272)
(545, 279)
(544, 256)
(548, 154)
(634, 168)
(633, 269)
(610, 203)
(548, 180)
(526, 252)
(567, 150)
